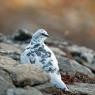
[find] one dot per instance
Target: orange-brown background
(73, 20)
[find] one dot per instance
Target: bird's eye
(44, 34)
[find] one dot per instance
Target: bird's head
(39, 36)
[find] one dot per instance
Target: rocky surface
(21, 35)
(5, 82)
(7, 61)
(10, 49)
(83, 55)
(20, 91)
(27, 74)
(71, 67)
(76, 65)
(87, 89)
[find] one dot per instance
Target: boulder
(58, 51)
(75, 89)
(2, 37)
(6, 61)
(5, 82)
(82, 89)
(71, 67)
(10, 50)
(22, 35)
(44, 86)
(83, 55)
(21, 91)
(27, 74)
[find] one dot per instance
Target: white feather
(33, 53)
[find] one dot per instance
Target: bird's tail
(59, 84)
(62, 85)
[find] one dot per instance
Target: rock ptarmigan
(39, 53)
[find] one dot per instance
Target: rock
(21, 91)
(2, 37)
(5, 62)
(44, 86)
(5, 82)
(22, 35)
(58, 51)
(48, 89)
(10, 50)
(57, 43)
(82, 89)
(75, 89)
(83, 55)
(27, 74)
(83, 52)
(72, 67)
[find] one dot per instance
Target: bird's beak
(47, 35)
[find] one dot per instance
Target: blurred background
(73, 20)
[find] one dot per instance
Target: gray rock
(48, 89)
(27, 74)
(82, 89)
(7, 61)
(58, 51)
(71, 67)
(5, 82)
(84, 55)
(75, 89)
(22, 35)
(2, 37)
(44, 86)
(20, 91)
(10, 50)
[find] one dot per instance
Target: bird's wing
(27, 57)
(52, 57)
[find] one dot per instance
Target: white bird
(39, 53)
